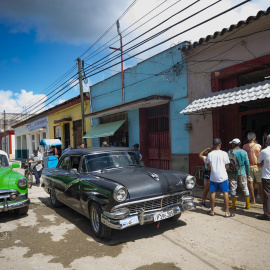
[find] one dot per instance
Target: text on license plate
(163, 215)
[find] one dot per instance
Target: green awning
(104, 130)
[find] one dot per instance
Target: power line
(155, 35)
(222, 13)
(157, 44)
(110, 28)
(88, 57)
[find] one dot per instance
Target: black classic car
(113, 188)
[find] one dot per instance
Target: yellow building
(65, 122)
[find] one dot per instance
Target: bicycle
(28, 173)
(198, 174)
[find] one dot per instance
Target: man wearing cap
(218, 162)
(264, 160)
(253, 150)
(242, 173)
(105, 144)
(137, 151)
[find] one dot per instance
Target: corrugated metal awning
(104, 130)
(241, 94)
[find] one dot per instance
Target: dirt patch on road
(159, 266)
(57, 237)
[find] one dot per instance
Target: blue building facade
(155, 90)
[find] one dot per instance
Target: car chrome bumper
(146, 217)
(10, 206)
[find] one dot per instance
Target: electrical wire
(158, 44)
(110, 28)
(153, 36)
(164, 41)
(88, 58)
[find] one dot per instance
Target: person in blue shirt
(242, 174)
(137, 151)
(67, 149)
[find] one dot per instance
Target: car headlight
(120, 193)
(22, 183)
(190, 182)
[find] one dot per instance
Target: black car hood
(141, 184)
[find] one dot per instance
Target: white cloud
(23, 102)
(62, 20)
(61, 101)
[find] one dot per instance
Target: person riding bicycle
(36, 165)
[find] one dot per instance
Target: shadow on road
(118, 236)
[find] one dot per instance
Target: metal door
(159, 137)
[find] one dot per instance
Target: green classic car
(13, 187)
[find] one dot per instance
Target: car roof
(86, 151)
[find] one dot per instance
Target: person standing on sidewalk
(253, 150)
(240, 176)
(36, 166)
(264, 160)
(206, 175)
(218, 162)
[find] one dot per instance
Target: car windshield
(115, 159)
(3, 161)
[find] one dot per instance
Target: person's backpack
(234, 164)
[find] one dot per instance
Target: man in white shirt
(264, 159)
(218, 162)
(36, 164)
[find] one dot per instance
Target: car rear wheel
(99, 229)
(54, 202)
(22, 210)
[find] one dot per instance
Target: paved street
(60, 238)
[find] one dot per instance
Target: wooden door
(159, 137)
(77, 133)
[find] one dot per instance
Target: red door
(158, 146)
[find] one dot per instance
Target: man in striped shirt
(253, 150)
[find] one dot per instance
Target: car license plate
(163, 215)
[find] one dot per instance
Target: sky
(41, 40)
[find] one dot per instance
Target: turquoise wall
(162, 74)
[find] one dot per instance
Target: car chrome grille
(155, 204)
(5, 195)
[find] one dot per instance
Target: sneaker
(38, 184)
(203, 204)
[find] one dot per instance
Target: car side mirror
(15, 165)
(74, 171)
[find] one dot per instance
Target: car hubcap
(95, 219)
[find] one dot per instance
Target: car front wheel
(99, 229)
(54, 202)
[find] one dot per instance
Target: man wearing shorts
(240, 177)
(218, 162)
(253, 150)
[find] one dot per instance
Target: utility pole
(5, 132)
(121, 50)
(82, 101)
